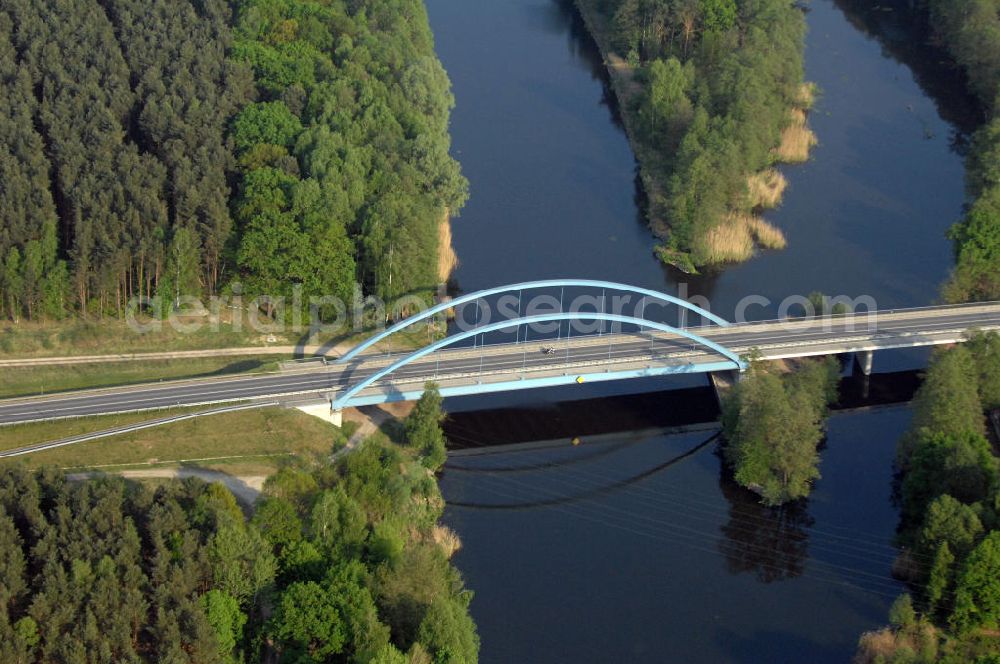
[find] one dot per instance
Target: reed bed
(447, 539)
(736, 239)
(447, 258)
(797, 139)
(806, 96)
(765, 189)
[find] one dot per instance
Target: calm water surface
(553, 178)
(635, 549)
(644, 552)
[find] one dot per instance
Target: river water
(634, 546)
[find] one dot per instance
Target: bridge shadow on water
(592, 493)
(582, 418)
(621, 413)
(592, 465)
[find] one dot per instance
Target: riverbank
(948, 537)
(627, 91)
(970, 33)
(558, 515)
(668, 159)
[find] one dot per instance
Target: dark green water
(635, 554)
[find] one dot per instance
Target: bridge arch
(343, 399)
(532, 285)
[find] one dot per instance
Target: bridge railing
(344, 398)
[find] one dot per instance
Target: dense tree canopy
(344, 160)
(104, 571)
(985, 349)
(175, 147)
(959, 465)
(948, 401)
(977, 592)
(949, 492)
(131, 101)
(773, 425)
(423, 428)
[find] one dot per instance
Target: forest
(339, 562)
(970, 31)
(713, 94)
(174, 147)
(949, 494)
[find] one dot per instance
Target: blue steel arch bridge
(587, 358)
(642, 347)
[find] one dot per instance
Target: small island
(712, 99)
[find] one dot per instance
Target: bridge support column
(722, 382)
(864, 360)
(718, 388)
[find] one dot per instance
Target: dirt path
(245, 488)
(371, 419)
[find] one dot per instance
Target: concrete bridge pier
(722, 382)
(864, 359)
(325, 413)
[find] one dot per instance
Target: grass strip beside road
(258, 433)
(49, 379)
(19, 435)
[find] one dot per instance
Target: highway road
(897, 329)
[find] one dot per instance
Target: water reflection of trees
(771, 543)
(904, 36)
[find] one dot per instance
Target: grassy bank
(264, 434)
(111, 336)
(712, 97)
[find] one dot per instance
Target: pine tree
(947, 402)
(939, 579)
(423, 427)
